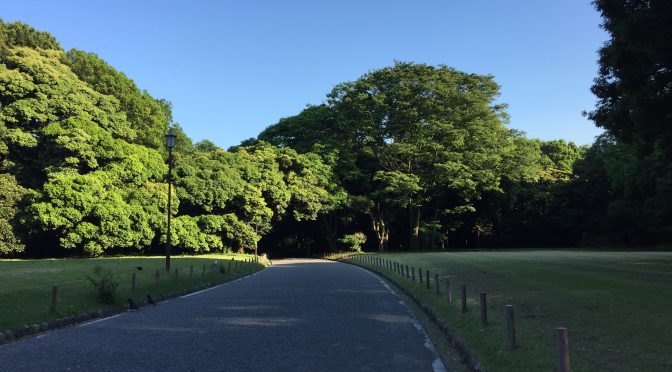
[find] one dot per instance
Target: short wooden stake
(229, 267)
(408, 274)
(133, 282)
(449, 294)
(464, 298)
(54, 295)
(420, 274)
(176, 273)
(510, 328)
(436, 284)
(413, 273)
(484, 309)
(427, 281)
(563, 349)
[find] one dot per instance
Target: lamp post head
(170, 139)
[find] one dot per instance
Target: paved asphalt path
(297, 315)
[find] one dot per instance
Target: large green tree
(635, 107)
(407, 136)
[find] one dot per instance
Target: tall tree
(635, 106)
(435, 127)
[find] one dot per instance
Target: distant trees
(423, 150)
(82, 165)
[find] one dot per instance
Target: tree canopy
(409, 156)
(83, 169)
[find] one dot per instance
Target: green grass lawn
(617, 306)
(25, 285)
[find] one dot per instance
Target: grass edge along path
(608, 301)
(26, 287)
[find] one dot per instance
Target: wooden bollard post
(449, 291)
(133, 282)
(408, 274)
(229, 267)
(464, 298)
(413, 273)
(436, 284)
(191, 272)
(427, 279)
(54, 295)
(420, 274)
(157, 275)
(176, 273)
(563, 349)
(484, 309)
(510, 328)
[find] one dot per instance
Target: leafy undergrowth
(615, 305)
(25, 285)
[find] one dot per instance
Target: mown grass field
(617, 306)
(25, 285)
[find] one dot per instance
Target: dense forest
(407, 157)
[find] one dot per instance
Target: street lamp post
(170, 143)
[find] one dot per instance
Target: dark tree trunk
(330, 225)
(414, 222)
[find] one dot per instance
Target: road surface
(297, 315)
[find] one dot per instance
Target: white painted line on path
(220, 285)
(99, 320)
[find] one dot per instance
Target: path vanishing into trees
(298, 314)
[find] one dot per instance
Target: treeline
(83, 167)
(427, 162)
(407, 157)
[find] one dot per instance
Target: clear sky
(231, 68)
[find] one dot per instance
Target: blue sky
(231, 68)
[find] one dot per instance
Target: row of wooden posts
(235, 263)
(410, 273)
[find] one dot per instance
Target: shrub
(104, 284)
(353, 242)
